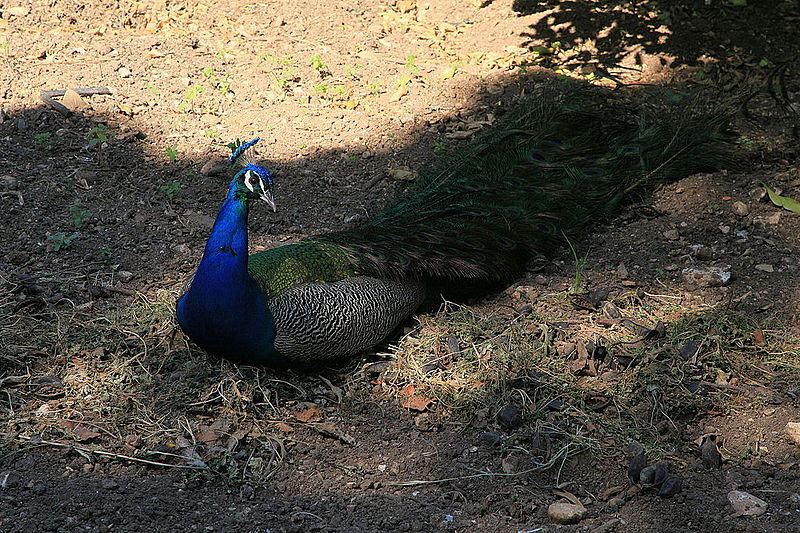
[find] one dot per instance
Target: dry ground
(112, 421)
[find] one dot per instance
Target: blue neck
(224, 310)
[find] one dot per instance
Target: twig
(110, 455)
(47, 97)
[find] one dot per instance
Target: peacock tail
(565, 160)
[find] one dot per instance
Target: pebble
(703, 253)
(746, 504)
(741, 209)
(671, 486)
(672, 235)
(566, 513)
(707, 276)
(73, 101)
(710, 454)
(793, 432)
(510, 417)
(124, 276)
(124, 72)
(764, 267)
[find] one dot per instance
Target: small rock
(764, 222)
(622, 271)
(636, 464)
(653, 476)
(746, 504)
(793, 432)
(688, 350)
(18, 11)
(703, 253)
(124, 72)
(741, 209)
(124, 276)
(764, 267)
(672, 235)
(213, 167)
(541, 280)
(491, 438)
(758, 194)
(707, 276)
(724, 229)
(566, 513)
(510, 417)
(710, 453)
(73, 101)
(671, 486)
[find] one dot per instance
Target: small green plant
(352, 70)
(223, 85)
(189, 96)
(57, 241)
(375, 87)
(172, 154)
(438, 147)
(98, 135)
(319, 65)
(79, 216)
(43, 139)
(104, 252)
(171, 188)
(152, 88)
(411, 64)
(211, 134)
(321, 88)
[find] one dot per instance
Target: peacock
(565, 160)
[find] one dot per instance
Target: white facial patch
(248, 180)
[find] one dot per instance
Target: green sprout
(79, 216)
(43, 139)
(189, 96)
(171, 188)
(57, 241)
(98, 135)
(172, 154)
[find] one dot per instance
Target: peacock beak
(266, 195)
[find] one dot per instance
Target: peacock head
(255, 181)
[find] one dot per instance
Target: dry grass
(122, 380)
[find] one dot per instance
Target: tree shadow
(615, 34)
(152, 215)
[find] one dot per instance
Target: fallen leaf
(783, 201)
(758, 337)
(413, 401)
(83, 433)
(311, 413)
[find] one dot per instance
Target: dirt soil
(106, 210)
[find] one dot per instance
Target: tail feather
(567, 160)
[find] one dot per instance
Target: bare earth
(111, 421)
